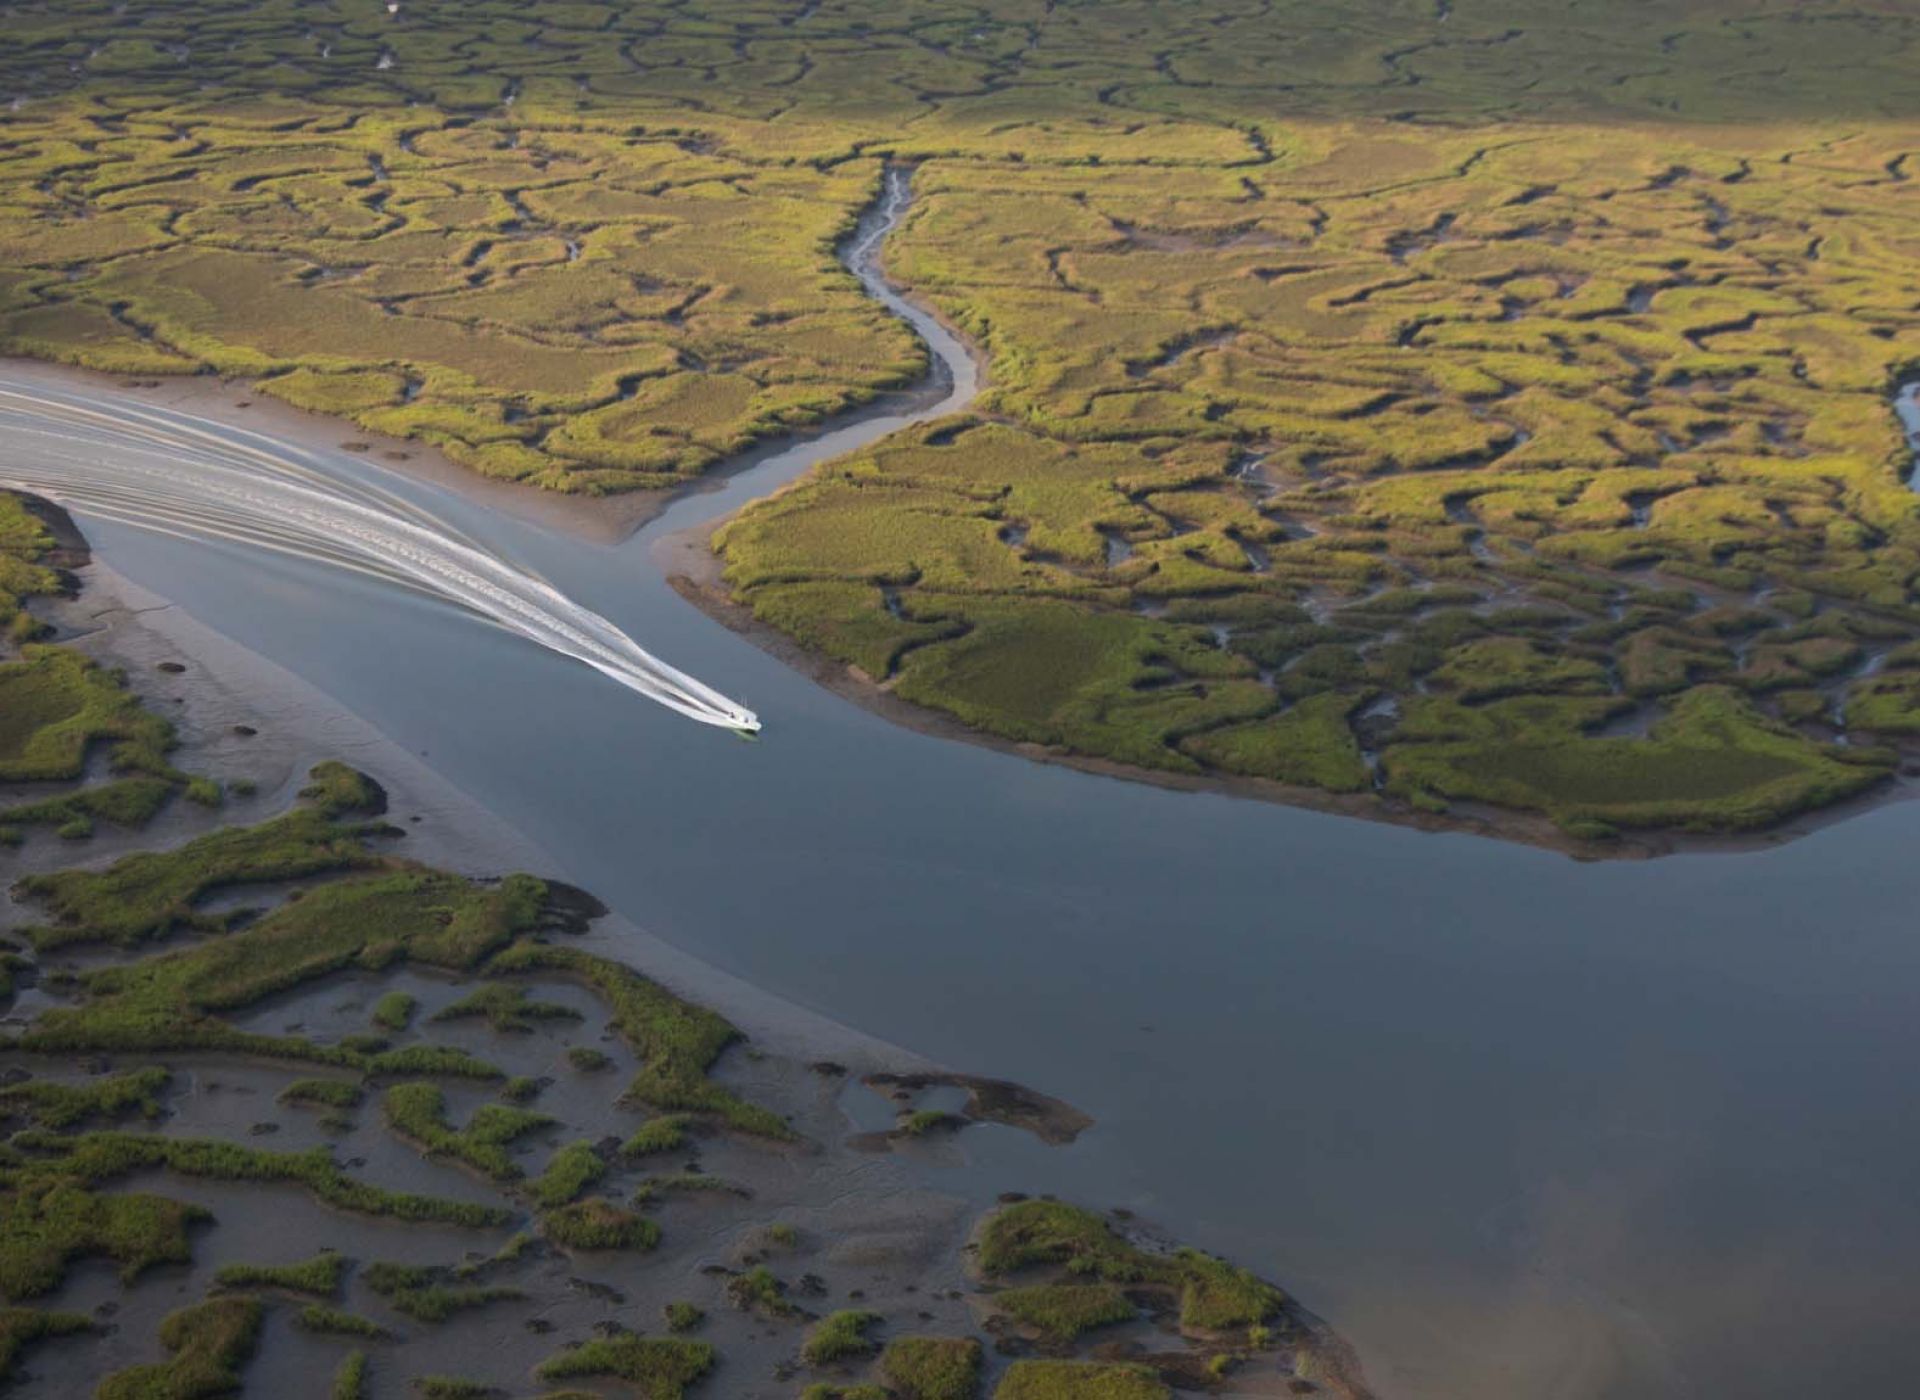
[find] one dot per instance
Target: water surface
(1521, 1127)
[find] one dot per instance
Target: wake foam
(174, 473)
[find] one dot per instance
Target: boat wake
(174, 473)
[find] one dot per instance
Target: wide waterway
(1518, 1126)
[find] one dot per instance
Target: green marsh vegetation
(1212, 1297)
(431, 1294)
(130, 802)
(51, 1210)
(50, 1104)
(418, 1112)
(149, 895)
(926, 1122)
(336, 1094)
(175, 1000)
(452, 1388)
(382, 913)
(319, 1276)
(54, 703)
(21, 1328)
(62, 1199)
(1412, 405)
(1483, 461)
(47, 1220)
(336, 1322)
(504, 1008)
(839, 1336)
(394, 1011)
(683, 1317)
(665, 1133)
(597, 1223)
(521, 1088)
(476, 1264)
(62, 1172)
(1080, 1380)
(28, 554)
(678, 1042)
(568, 1173)
(661, 1368)
(1062, 1311)
(932, 1368)
(688, 1183)
(758, 1291)
(350, 1379)
(375, 914)
(57, 705)
(207, 1344)
(604, 305)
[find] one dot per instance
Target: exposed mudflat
(855, 1213)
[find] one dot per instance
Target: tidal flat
(276, 1118)
(1694, 1139)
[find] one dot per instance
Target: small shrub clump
(394, 1011)
(597, 1223)
(838, 1336)
(660, 1367)
(932, 1368)
(662, 1134)
(757, 1290)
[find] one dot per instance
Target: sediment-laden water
(1520, 1127)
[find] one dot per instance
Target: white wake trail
(180, 475)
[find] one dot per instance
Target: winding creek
(1520, 1127)
(1906, 405)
